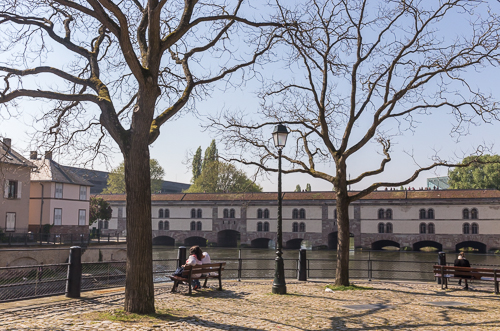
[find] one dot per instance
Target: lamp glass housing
(280, 134)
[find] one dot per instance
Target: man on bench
(461, 261)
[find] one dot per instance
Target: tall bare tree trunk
(342, 272)
(139, 288)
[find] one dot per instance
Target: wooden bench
(483, 274)
(203, 271)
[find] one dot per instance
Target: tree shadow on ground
(386, 324)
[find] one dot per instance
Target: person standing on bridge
(461, 261)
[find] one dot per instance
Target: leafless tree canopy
(359, 69)
(89, 60)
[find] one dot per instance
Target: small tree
(99, 210)
(484, 174)
(116, 178)
(196, 164)
(211, 155)
(222, 177)
(308, 187)
(297, 188)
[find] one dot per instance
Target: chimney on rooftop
(48, 155)
(33, 155)
(7, 142)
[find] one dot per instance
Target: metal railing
(29, 239)
(20, 282)
(32, 281)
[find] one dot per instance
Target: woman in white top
(195, 257)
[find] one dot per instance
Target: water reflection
(259, 263)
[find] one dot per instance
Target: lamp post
(280, 134)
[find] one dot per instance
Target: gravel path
(250, 306)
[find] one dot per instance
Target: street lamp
(280, 134)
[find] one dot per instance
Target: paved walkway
(250, 306)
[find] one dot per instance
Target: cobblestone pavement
(250, 306)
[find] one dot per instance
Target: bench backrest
(203, 268)
(465, 271)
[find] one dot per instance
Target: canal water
(398, 265)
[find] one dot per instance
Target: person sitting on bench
(461, 261)
(195, 257)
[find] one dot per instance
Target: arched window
(198, 226)
(302, 227)
(193, 226)
(388, 228)
(381, 228)
(167, 213)
(421, 214)
(266, 213)
(430, 214)
(335, 213)
(232, 213)
(473, 214)
(259, 226)
(295, 227)
(381, 214)
(106, 225)
(100, 225)
(474, 228)
(266, 226)
(226, 213)
(160, 213)
(423, 228)
(160, 225)
(259, 213)
(466, 228)
(388, 214)
(198, 213)
(295, 214)
(430, 228)
(166, 225)
(465, 214)
(302, 213)
(193, 213)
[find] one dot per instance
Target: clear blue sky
(181, 137)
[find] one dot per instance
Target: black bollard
(181, 256)
(441, 261)
(302, 274)
(74, 279)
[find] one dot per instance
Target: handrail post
(181, 256)
(74, 277)
(495, 280)
(441, 261)
(302, 273)
(240, 265)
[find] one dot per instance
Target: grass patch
(119, 315)
(351, 287)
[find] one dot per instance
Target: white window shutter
(19, 186)
(6, 190)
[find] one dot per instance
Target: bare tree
(123, 69)
(359, 69)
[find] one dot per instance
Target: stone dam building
(444, 219)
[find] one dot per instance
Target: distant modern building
(100, 181)
(438, 183)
